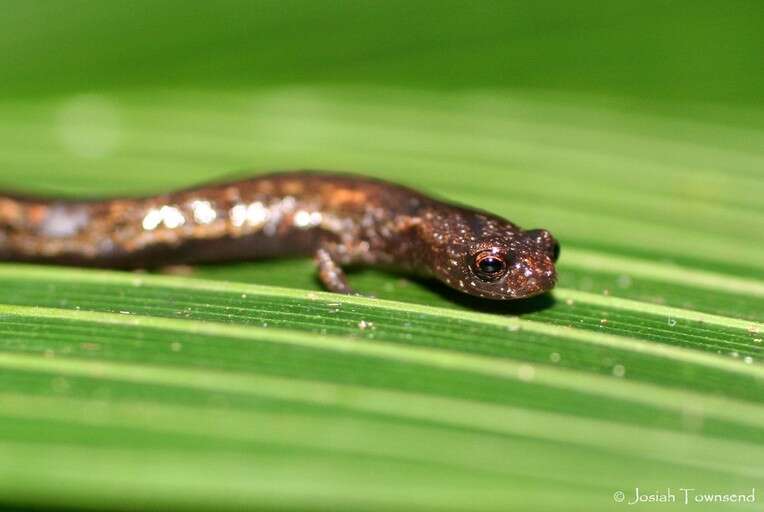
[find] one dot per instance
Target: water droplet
(89, 126)
(526, 372)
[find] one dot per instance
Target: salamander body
(340, 220)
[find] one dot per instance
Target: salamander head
(512, 265)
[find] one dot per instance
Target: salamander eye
(556, 252)
(489, 266)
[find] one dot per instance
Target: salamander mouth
(529, 289)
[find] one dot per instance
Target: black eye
(556, 252)
(489, 266)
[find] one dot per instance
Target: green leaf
(246, 386)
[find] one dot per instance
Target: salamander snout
(533, 271)
(531, 275)
(544, 240)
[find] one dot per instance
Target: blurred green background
(634, 131)
(657, 50)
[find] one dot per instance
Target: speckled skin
(341, 220)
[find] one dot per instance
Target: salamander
(341, 220)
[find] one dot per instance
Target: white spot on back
(254, 214)
(170, 216)
(152, 219)
(257, 214)
(64, 221)
(305, 219)
(302, 219)
(204, 213)
(238, 215)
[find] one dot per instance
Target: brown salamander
(341, 220)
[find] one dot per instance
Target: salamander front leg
(331, 274)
